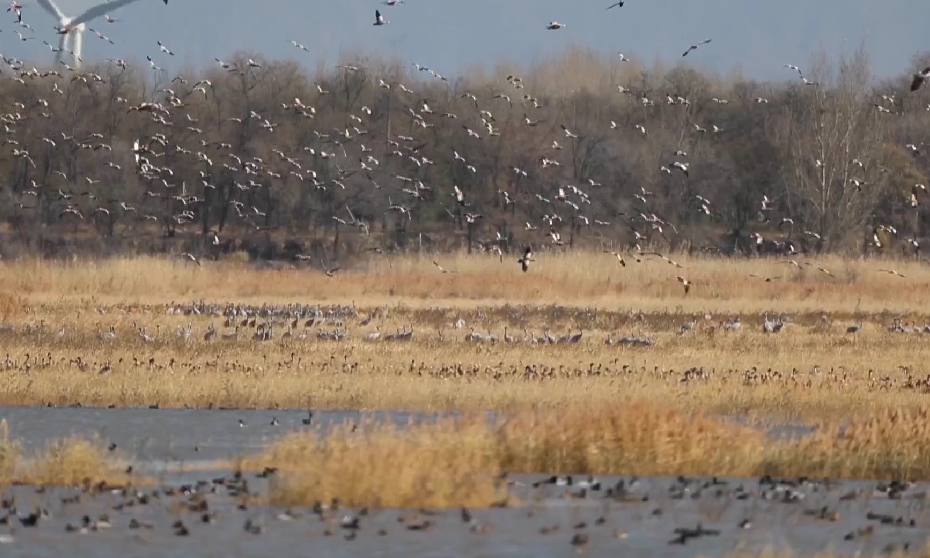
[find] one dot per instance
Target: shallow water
(159, 436)
(642, 523)
(628, 526)
(172, 435)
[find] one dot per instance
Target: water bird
(695, 47)
(919, 78)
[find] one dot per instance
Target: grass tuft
(71, 462)
(457, 462)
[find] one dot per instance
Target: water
(166, 435)
(630, 528)
(640, 524)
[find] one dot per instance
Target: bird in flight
(694, 47)
(555, 25)
(379, 19)
(526, 259)
(795, 68)
(616, 5)
(919, 78)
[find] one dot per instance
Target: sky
(750, 36)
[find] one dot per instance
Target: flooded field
(157, 436)
(608, 516)
(176, 435)
(195, 511)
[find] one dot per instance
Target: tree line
(582, 150)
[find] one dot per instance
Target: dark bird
(694, 47)
(526, 259)
(919, 78)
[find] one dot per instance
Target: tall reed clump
(71, 462)
(459, 461)
(9, 453)
(446, 464)
(888, 444)
(626, 439)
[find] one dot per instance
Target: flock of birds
(170, 201)
(601, 512)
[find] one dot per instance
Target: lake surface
(739, 515)
(160, 435)
(638, 518)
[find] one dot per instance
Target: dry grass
(448, 464)
(812, 370)
(71, 462)
(456, 462)
(569, 279)
(65, 462)
(9, 452)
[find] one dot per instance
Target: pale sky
(756, 37)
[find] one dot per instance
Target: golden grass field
(609, 409)
(576, 279)
(813, 369)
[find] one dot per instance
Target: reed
(71, 462)
(570, 279)
(457, 462)
(9, 452)
(813, 369)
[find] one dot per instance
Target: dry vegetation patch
(460, 461)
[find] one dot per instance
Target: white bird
(555, 25)
(379, 19)
(795, 68)
(164, 49)
(298, 45)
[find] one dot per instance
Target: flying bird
(555, 25)
(379, 19)
(919, 78)
(526, 259)
(616, 5)
(694, 47)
